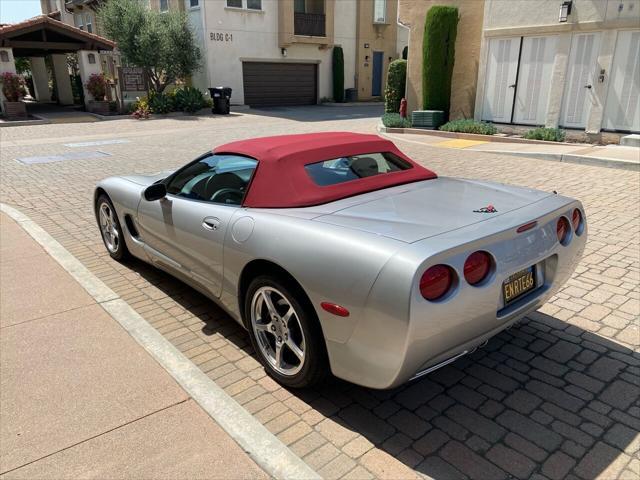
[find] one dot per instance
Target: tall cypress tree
(338, 74)
(438, 55)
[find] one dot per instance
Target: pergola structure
(40, 36)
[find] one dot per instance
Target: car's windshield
(345, 169)
(214, 178)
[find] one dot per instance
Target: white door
(500, 84)
(622, 111)
(534, 80)
(581, 73)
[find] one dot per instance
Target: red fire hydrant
(403, 108)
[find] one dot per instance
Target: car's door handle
(211, 223)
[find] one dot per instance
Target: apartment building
(276, 52)
(279, 52)
(573, 64)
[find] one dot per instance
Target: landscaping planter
(99, 107)
(15, 110)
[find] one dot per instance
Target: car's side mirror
(155, 192)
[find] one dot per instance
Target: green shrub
(394, 90)
(438, 55)
(338, 74)
(394, 120)
(469, 126)
(189, 99)
(548, 134)
(161, 103)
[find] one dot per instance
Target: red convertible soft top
(280, 180)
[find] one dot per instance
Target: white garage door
(622, 111)
(581, 72)
(500, 84)
(534, 80)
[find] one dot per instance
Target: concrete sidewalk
(613, 156)
(79, 398)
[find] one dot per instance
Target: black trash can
(351, 95)
(221, 97)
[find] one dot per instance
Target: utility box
(431, 119)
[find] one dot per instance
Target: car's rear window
(346, 169)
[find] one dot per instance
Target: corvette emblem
(487, 209)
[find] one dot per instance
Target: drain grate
(96, 143)
(63, 157)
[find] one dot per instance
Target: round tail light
(576, 220)
(436, 282)
(476, 267)
(563, 229)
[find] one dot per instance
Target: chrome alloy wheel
(278, 331)
(109, 227)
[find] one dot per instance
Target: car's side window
(214, 178)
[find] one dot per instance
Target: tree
(338, 74)
(395, 89)
(161, 43)
(438, 54)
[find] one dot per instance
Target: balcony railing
(312, 24)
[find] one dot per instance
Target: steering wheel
(233, 193)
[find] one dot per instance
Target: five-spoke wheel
(285, 331)
(278, 331)
(110, 228)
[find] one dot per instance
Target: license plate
(518, 284)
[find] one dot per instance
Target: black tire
(120, 252)
(315, 367)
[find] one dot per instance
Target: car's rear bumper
(399, 339)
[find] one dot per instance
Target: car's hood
(432, 207)
(145, 180)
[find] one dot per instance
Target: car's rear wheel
(110, 228)
(285, 332)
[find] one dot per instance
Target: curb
(570, 158)
(553, 157)
(264, 448)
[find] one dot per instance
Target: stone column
(7, 64)
(88, 64)
(40, 79)
(63, 80)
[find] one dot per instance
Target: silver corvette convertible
(340, 254)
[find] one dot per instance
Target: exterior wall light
(565, 10)
(283, 51)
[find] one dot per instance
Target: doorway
(376, 79)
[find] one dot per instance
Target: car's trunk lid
(430, 208)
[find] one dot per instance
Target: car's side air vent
(131, 226)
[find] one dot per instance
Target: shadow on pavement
(543, 398)
(319, 113)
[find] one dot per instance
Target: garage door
(268, 84)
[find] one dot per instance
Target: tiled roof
(44, 20)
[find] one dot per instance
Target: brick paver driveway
(555, 397)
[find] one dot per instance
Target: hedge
(469, 126)
(548, 134)
(394, 120)
(438, 55)
(338, 74)
(394, 91)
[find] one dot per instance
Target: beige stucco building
(556, 63)
(277, 52)
(412, 14)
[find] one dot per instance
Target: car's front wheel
(285, 332)
(110, 228)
